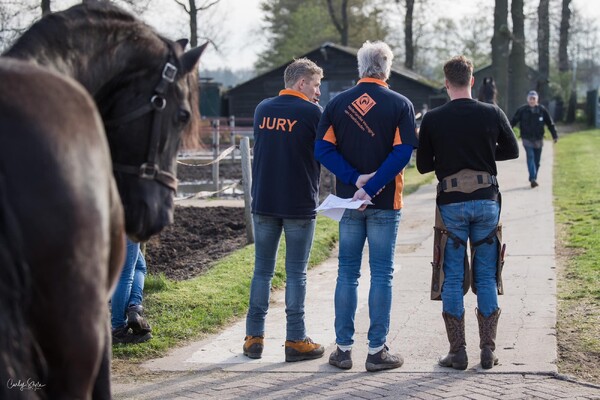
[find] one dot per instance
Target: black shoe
(136, 321)
(125, 336)
(383, 360)
(534, 184)
(341, 359)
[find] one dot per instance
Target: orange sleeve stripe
(330, 136)
(398, 201)
(397, 138)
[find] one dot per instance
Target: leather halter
(150, 169)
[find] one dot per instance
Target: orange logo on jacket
(363, 104)
(277, 124)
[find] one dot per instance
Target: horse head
(145, 121)
(145, 87)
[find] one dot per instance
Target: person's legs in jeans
(139, 276)
(267, 233)
(485, 220)
(299, 235)
(353, 234)
(537, 156)
(456, 220)
(531, 164)
(120, 298)
(382, 230)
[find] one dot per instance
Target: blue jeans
(473, 220)
(533, 161)
(379, 228)
(299, 235)
(130, 287)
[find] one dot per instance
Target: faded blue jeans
(299, 235)
(379, 228)
(534, 156)
(474, 220)
(130, 287)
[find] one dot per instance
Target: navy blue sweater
(365, 129)
(285, 174)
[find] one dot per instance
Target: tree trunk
(543, 52)
(564, 66)
(193, 24)
(563, 55)
(341, 24)
(500, 44)
(409, 59)
(46, 7)
(517, 72)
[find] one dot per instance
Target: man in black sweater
(531, 118)
(461, 141)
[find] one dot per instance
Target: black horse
(62, 223)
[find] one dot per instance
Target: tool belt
(466, 181)
(471, 181)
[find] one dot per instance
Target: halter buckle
(169, 72)
(148, 171)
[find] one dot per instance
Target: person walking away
(366, 137)
(285, 182)
(127, 313)
(531, 118)
(461, 141)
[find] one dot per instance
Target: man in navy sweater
(285, 184)
(365, 137)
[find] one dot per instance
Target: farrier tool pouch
(440, 240)
(466, 181)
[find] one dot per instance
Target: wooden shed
(341, 73)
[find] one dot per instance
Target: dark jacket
(531, 121)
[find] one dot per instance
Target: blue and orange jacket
(365, 129)
(285, 174)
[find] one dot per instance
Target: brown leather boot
(487, 337)
(457, 356)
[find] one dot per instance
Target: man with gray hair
(285, 184)
(366, 137)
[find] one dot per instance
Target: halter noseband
(150, 169)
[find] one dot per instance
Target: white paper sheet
(334, 207)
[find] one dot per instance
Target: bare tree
(192, 10)
(564, 66)
(409, 48)
(517, 73)
(543, 42)
(341, 22)
(500, 50)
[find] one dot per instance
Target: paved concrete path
(526, 342)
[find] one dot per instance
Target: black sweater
(465, 134)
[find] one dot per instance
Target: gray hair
(375, 60)
(300, 68)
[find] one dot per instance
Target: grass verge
(577, 207)
(180, 312)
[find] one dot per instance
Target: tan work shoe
(298, 350)
(253, 346)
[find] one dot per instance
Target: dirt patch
(197, 238)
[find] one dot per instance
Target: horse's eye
(183, 116)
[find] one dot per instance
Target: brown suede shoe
(253, 346)
(298, 350)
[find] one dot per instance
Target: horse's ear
(183, 43)
(189, 60)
